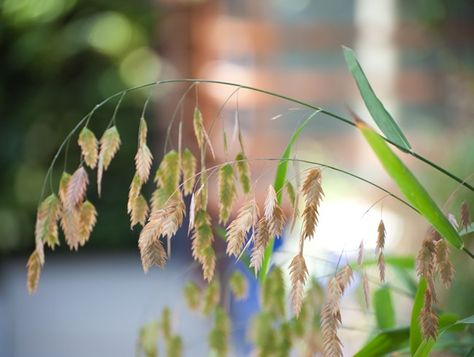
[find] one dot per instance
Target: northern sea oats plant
(313, 327)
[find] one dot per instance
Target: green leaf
(279, 182)
(385, 342)
(404, 262)
(381, 116)
(415, 332)
(409, 185)
(446, 322)
(384, 311)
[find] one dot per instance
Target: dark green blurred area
(58, 58)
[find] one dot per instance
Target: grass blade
(415, 332)
(409, 185)
(383, 306)
(385, 342)
(280, 177)
(381, 116)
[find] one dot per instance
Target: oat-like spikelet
(202, 234)
(198, 125)
(425, 259)
(237, 230)
(428, 318)
(151, 251)
(243, 168)
(313, 194)
(238, 285)
(167, 175)
(158, 199)
(63, 184)
(443, 264)
(33, 271)
(88, 219)
(208, 263)
(109, 145)
(331, 313)
(331, 320)
(71, 226)
(379, 249)
(380, 237)
(143, 157)
(425, 263)
(227, 192)
(139, 212)
(165, 221)
(381, 266)
(76, 188)
(89, 147)
(202, 137)
(188, 169)
(360, 255)
(262, 237)
(143, 161)
(365, 285)
(192, 296)
(274, 214)
(47, 216)
(465, 216)
(344, 278)
(134, 192)
(298, 275)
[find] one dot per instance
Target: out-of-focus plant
(316, 317)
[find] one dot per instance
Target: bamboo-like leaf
(109, 145)
(381, 116)
(188, 169)
(383, 306)
(89, 147)
(409, 185)
(227, 192)
(415, 330)
(385, 342)
(446, 322)
(243, 168)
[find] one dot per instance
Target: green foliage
(409, 185)
(383, 306)
(381, 116)
(385, 342)
(415, 331)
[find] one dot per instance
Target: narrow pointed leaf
(409, 185)
(381, 116)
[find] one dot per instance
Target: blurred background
(59, 58)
